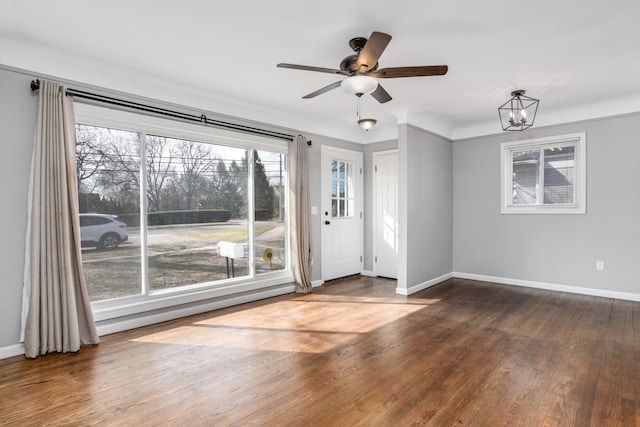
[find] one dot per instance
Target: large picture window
(156, 201)
(544, 175)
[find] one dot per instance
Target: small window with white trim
(544, 175)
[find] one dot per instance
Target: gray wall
(18, 108)
(426, 206)
(554, 249)
(315, 195)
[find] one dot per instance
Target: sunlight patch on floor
(284, 326)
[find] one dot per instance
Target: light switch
(314, 210)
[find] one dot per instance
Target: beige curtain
(300, 223)
(56, 312)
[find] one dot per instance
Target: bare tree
(107, 168)
(91, 154)
(160, 168)
(120, 178)
(196, 162)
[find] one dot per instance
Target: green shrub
(188, 217)
(131, 219)
(177, 217)
(263, 214)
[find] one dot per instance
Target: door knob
(327, 222)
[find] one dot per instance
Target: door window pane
(342, 194)
(349, 193)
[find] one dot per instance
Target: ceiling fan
(364, 63)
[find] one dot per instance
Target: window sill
(544, 210)
(112, 309)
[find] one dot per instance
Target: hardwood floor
(352, 353)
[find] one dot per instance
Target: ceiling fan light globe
(359, 84)
(367, 124)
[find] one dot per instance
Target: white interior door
(341, 215)
(385, 217)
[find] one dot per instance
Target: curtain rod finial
(308, 141)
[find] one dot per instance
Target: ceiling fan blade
(381, 95)
(309, 68)
(372, 50)
(430, 70)
(323, 90)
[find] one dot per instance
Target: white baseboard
(550, 286)
(423, 285)
(317, 283)
(368, 273)
(11, 350)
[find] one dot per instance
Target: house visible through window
(545, 175)
(172, 198)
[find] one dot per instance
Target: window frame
(577, 140)
(93, 115)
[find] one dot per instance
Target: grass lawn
(184, 257)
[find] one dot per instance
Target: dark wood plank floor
(352, 353)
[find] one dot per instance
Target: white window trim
(134, 122)
(135, 304)
(580, 205)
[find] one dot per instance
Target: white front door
(341, 215)
(385, 216)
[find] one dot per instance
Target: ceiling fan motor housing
(357, 43)
(349, 63)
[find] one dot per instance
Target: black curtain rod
(202, 119)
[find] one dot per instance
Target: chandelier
(518, 113)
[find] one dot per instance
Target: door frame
(328, 151)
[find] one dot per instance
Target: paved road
(188, 237)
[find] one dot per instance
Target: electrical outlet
(311, 260)
(600, 265)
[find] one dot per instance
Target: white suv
(102, 231)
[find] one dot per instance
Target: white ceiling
(580, 58)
